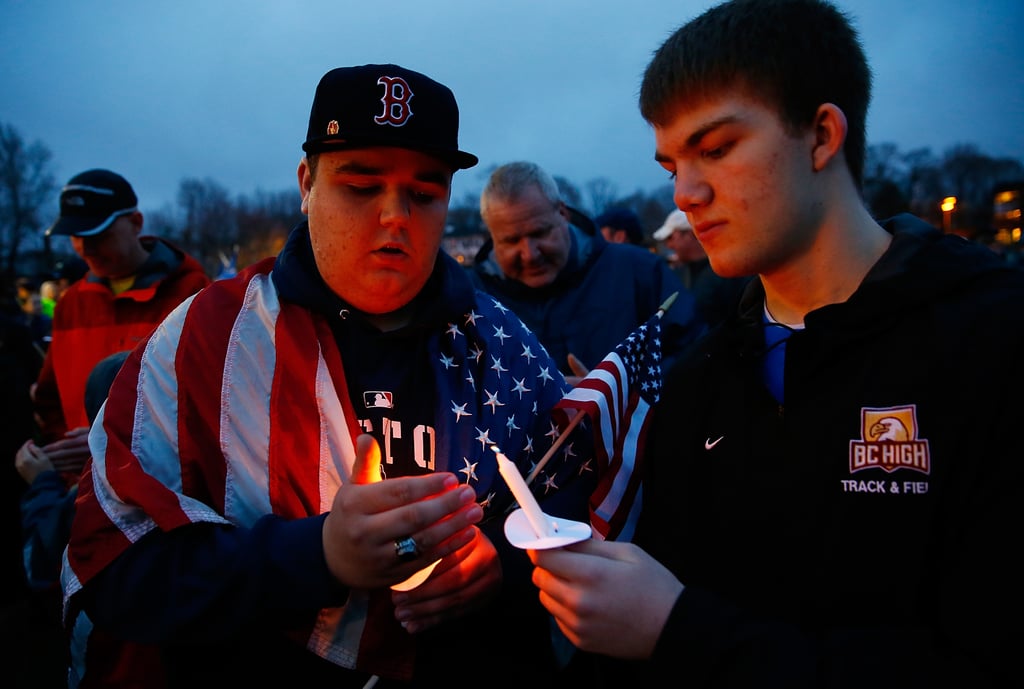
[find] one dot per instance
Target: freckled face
(745, 183)
(376, 219)
(531, 237)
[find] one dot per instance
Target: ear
(305, 183)
(829, 135)
(136, 218)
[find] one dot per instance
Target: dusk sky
(163, 90)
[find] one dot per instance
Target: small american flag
(617, 395)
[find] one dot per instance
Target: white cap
(676, 220)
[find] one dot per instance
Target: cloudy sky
(161, 90)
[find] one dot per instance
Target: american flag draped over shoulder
(206, 419)
(617, 395)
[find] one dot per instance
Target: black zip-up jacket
(865, 533)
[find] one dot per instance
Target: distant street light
(948, 205)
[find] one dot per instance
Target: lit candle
(522, 494)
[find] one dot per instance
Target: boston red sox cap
(385, 105)
(91, 201)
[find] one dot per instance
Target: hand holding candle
(367, 470)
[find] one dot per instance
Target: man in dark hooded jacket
(578, 293)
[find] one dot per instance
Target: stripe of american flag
(617, 395)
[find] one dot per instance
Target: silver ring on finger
(406, 549)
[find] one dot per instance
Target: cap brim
(84, 226)
(459, 160)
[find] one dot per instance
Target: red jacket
(90, 323)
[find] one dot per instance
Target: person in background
(26, 292)
(47, 510)
(578, 293)
(21, 620)
(716, 296)
(234, 511)
(70, 271)
(134, 281)
(48, 506)
(48, 294)
(33, 314)
(620, 226)
(835, 477)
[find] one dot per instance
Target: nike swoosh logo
(708, 444)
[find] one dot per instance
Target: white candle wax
(522, 494)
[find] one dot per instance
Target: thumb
(366, 468)
(577, 366)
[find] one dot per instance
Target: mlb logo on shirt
(378, 399)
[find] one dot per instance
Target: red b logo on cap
(397, 95)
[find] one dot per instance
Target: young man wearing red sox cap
(298, 439)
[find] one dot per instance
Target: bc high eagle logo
(889, 441)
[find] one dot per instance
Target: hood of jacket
(894, 284)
